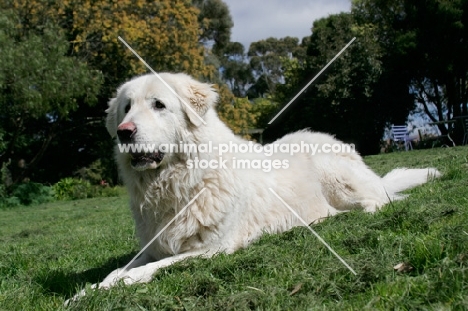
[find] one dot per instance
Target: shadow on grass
(58, 282)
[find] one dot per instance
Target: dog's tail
(403, 178)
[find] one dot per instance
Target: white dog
(236, 204)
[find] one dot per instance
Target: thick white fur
(236, 208)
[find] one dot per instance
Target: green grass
(48, 252)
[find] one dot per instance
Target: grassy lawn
(50, 251)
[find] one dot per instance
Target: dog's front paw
(77, 296)
(112, 278)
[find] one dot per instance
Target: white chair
(400, 134)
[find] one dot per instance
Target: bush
(29, 193)
(9, 201)
(112, 191)
(92, 173)
(72, 189)
(75, 189)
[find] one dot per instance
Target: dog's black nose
(126, 131)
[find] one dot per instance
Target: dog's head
(152, 110)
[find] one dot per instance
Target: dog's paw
(113, 278)
(77, 296)
(136, 275)
(141, 274)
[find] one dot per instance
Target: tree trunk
(38, 156)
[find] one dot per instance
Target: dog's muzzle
(143, 161)
(139, 160)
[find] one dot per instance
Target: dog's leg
(144, 273)
(140, 271)
(112, 278)
(119, 273)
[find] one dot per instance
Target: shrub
(4, 178)
(112, 191)
(9, 201)
(31, 193)
(74, 189)
(92, 173)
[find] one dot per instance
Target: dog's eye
(157, 104)
(127, 108)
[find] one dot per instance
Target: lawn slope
(48, 252)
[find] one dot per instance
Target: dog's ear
(111, 120)
(199, 97)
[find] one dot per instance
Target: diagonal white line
(313, 232)
(160, 232)
(162, 80)
(313, 79)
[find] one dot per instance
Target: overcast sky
(259, 19)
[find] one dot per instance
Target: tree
(342, 101)
(235, 112)
(427, 41)
(215, 22)
(266, 60)
(39, 88)
(236, 71)
(264, 110)
(165, 33)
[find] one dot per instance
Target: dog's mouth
(142, 161)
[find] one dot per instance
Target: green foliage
(167, 34)
(40, 86)
(5, 179)
(426, 46)
(236, 71)
(256, 73)
(37, 78)
(26, 193)
(235, 112)
(408, 54)
(107, 192)
(92, 173)
(31, 193)
(72, 189)
(215, 22)
(266, 62)
(9, 201)
(343, 100)
(75, 189)
(264, 110)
